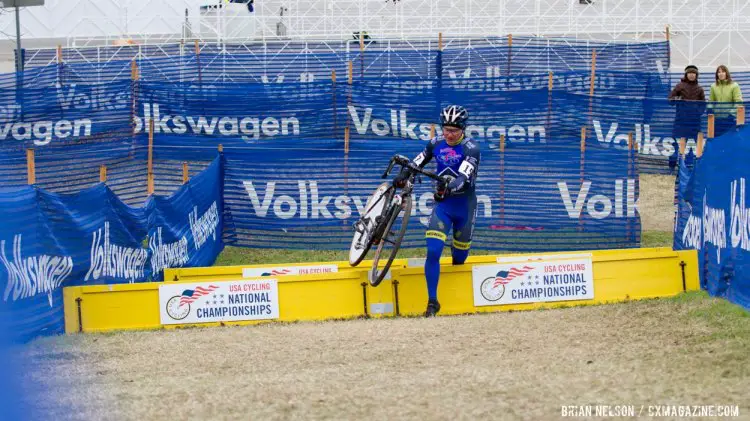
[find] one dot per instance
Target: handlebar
(406, 163)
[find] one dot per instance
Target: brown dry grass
(521, 365)
(657, 202)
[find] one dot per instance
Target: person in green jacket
(725, 90)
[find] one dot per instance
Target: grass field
(690, 349)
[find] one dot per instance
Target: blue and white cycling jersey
(458, 210)
(460, 162)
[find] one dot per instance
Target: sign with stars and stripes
(533, 281)
(222, 301)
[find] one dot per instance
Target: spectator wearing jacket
(728, 92)
(690, 100)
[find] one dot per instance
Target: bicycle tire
(386, 195)
(376, 275)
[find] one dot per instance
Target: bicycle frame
(378, 232)
(406, 191)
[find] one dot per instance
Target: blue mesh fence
(77, 128)
(526, 202)
(305, 124)
(49, 241)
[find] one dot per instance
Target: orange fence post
(502, 179)
(30, 167)
(669, 44)
(347, 133)
(632, 155)
(593, 73)
(361, 54)
(150, 164)
(333, 101)
(198, 62)
(59, 64)
(346, 141)
(583, 171)
(591, 86)
(134, 76)
(549, 103)
(510, 52)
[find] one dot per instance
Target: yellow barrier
(301, 297)
(217, 273)
(618, 275)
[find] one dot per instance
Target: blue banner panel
(714, 216)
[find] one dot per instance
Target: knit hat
(691, 69)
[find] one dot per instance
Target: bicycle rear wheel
(365, 227)
(390, 241)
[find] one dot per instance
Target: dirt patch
(657, 202)
(521, 365)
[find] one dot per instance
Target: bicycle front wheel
(364, 229)
(390, 242)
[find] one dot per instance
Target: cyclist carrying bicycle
(456, 202)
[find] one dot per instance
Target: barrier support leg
(682, 266)
(396, 310)
(364, 299)
(80, 317)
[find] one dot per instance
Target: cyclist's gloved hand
(400, 180)
(441, 191)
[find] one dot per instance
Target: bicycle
(376, 224)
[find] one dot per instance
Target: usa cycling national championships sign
(218, 301)
(533, 281)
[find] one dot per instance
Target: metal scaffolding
(702, 32)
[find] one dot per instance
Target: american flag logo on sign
(190, 295)
(277, 272)
(505, 276)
